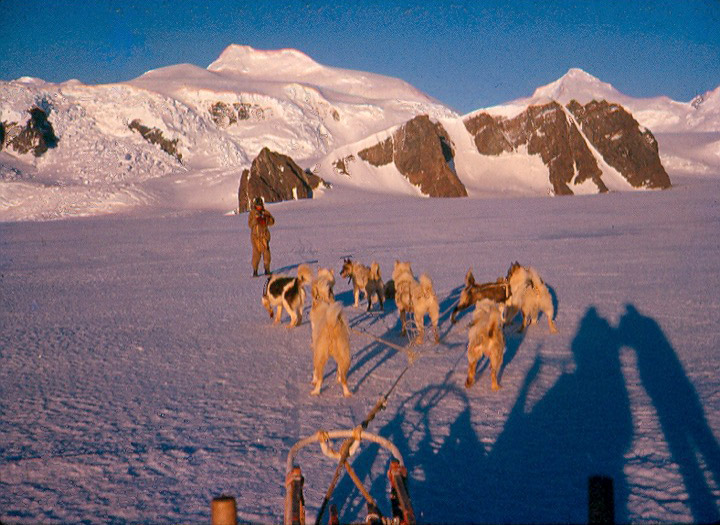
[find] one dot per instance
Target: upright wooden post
(294, 498)
(601, 501)
(223, 511)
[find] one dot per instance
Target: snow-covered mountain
(180, 136)
(109, 152)
(546, 148)
(688, 133)
(575, 135)
(660, 114)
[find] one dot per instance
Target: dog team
(521, 291)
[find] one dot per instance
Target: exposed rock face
(155, 136)
(342, 165)
(621, 141)
(378, 155)
(550, 131)
(546, 131)
(488, 133)
(423, 153)
(37, 136)
(225, 115)
(275, 177)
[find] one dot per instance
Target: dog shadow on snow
(292, 268)
(553, 439)
(378, 353)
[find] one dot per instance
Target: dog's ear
(469, 278)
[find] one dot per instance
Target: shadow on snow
(537, 469)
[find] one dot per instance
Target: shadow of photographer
(679, 410)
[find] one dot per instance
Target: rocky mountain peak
(565, 137)
(423, 153)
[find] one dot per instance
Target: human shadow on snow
(679, 409)
(411, 429)
(537, 469)
(582, 426)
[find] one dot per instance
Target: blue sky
(466, 54)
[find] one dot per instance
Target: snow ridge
(221, 116)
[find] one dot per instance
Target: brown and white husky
(499, 291)
(485, 338)
(364, 280)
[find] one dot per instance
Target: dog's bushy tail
(535, 278)
(426, 284)
(375, 271)
(304, 273)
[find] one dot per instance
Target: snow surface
(140, 376)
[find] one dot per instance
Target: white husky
(529, 295)
(330, 338)
(416, 297)
(322, 286)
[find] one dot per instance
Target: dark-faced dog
(364, 280)
(499, 291)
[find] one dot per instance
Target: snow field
(140, 376)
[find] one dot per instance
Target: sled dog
(416, 297)
(499, 291)
(365, 280)
(485, 338)
(322, 286)
(330, 338)
(529, 296)
(283, 291)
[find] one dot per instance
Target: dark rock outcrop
(225, 115)
(622, 143)
(423, 153)
(488, 134)
(155, 136)
(378, 155)
(546, 131)
(549, 131)
(275, 177)
(342, 165)
(37, 136)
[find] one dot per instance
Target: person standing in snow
(259, 221)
